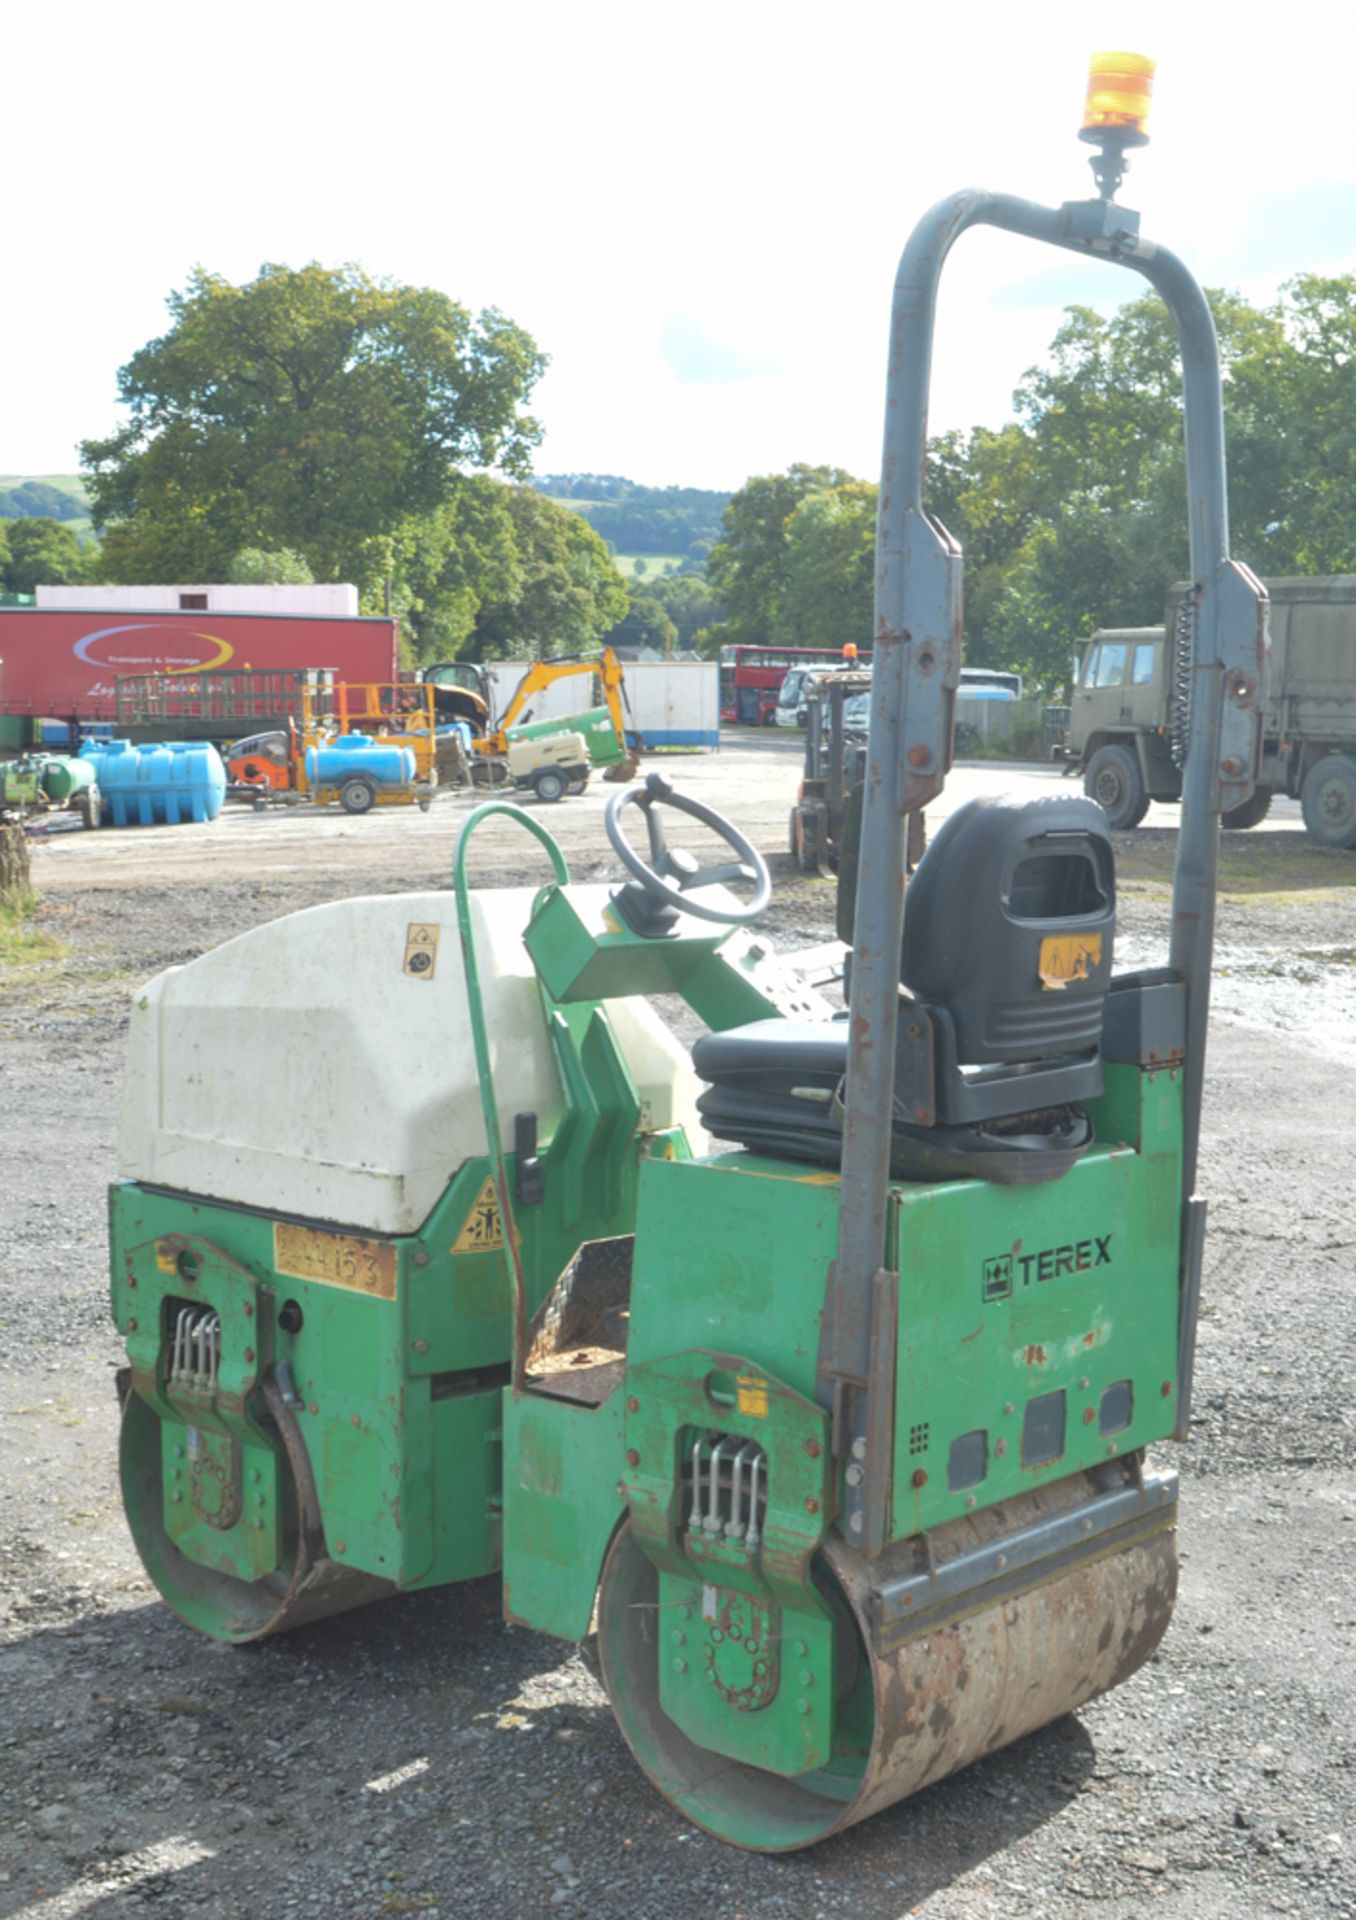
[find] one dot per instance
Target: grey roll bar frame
(916, 670)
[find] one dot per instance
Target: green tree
(568, 593)
(312, 409)
(644, 624)
(452, 563)
(1292, 421)
(1074, 515)
(256, 567)
(689, 602)
(42, 551)
(747, 567)
(831, 567)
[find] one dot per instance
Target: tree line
(1073, 515)
(315, 423)
(678, 521)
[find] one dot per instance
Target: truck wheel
(792, 847)
(90, 807)
(1252, 812)
(548, 783)
(1328, 801)
(1114, 781)
(358, 794)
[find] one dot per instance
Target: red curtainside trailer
(66, 664)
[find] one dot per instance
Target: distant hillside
(636, 520)
(43, 496)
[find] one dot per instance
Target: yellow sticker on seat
(1067, 957)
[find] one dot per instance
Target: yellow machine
(398, 713)
(360, 745)
(613, 753)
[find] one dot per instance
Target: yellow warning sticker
(421, 949)
(482, 1230)
(335, 1259)
(752, 1395)
(1067, 957)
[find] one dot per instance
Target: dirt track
(422, 1758)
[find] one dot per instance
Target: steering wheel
(673, 873)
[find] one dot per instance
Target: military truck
(1130, 708)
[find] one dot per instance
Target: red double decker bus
(751, 678)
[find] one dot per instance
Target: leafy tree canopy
(690, 604)
(644, 624)
(41, 551)
(312, 409)
(255, 567)
(748, 566)
(1073, 515)
(831, 567)
(567, 593)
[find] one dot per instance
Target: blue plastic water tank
(168, 784)
(351, 753)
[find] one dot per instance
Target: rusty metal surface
(950, 1693)
(949, 1696)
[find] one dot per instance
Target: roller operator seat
(1005, 967)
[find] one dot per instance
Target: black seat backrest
(1010, 926)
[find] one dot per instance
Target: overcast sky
(695, 209)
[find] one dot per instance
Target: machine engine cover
(321, 1065)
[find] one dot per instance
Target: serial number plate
(335, 1259)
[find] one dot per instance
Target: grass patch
(652, 565)
(21, 943)
(1279, 865)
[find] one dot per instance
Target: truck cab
(1119, 722)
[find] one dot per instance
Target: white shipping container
(671, 703)
(333, 601)
(675, 703)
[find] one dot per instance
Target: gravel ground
(423, 1758)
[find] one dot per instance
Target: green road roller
(814, 1368)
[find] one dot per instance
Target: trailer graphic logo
(159, 649)
(1008, 1270)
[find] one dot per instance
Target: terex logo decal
(156, 649)
(1010, 1270)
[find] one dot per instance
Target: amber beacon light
(1119, 89)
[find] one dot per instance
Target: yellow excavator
(463, 691)
(603, 728)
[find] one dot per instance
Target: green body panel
(467, 1458)
(735, 1609)
(582, 956)
(754, 1283)
(1014, 1294)
(222, 1497)
(401, 1397)
(562, 1501)
(595, 725)
(752, 1280)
